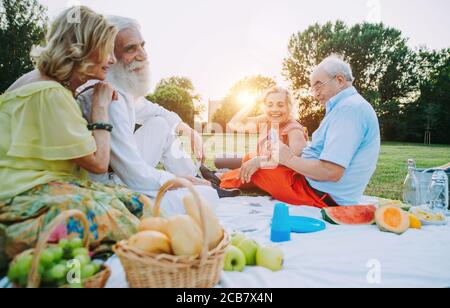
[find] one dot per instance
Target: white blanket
(341, 256)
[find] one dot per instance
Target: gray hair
(123, 23)
(334, 65)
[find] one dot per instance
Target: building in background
(213, 106)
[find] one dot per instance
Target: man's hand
(196, 181)
(197, 146)
(193, 180)
(282, 153)
(279, 153)
(196, 141)
(248, 169)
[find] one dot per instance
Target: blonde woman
(280, 113)
(46, 147)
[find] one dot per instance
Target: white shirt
(128, 165)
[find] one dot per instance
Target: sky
(217, 42)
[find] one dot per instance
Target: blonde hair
(74, 36)
(289, 100)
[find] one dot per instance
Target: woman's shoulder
(36, 86)
(290, 126)
(25, 91)
(32, 83)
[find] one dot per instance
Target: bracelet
(103, 126)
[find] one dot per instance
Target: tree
(176, 99)
(182, 83)
(252, 86)
(187, 85)
(431, 109)
(22, 25)
(384, 67)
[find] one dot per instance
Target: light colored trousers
(158, 143)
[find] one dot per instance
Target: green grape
(80, 251)
(46, 259)
(87, 271)
(83, 259)
(58, 253)
(76, 243)
(64, 243)
(57, 273)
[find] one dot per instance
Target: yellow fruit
(392, 219)
(153, 224)
(213, 227)
(185, 236)
(414, 222)
(151, 242)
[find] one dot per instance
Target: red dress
(281, 183)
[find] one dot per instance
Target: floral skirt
(112, 211)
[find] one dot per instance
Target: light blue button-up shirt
(349, 136)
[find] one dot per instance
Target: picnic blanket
(341, 256)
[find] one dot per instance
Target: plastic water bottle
(438, 192)
(411, 189)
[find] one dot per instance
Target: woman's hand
(104, 94)
(248, 169)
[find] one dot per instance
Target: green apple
(13, 273)
(234, 260)
(249, 247)
(270, 257)
(236, 238)
(24, 266)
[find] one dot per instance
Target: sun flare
(246, 98)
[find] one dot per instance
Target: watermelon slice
(350, 215)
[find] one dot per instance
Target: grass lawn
(391, 171)
(388, 179)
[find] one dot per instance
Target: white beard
(134, 83)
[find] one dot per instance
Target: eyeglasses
(318, 86)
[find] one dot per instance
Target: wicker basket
(34, 280)
(144, 270)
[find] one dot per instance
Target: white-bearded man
(135, 154)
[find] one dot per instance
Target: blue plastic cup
(281, 224)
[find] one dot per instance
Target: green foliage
(384, 67)
(175, 99)
(180, 82)
(22, 25)
(431, 109)
(186, 85)
(230, 105)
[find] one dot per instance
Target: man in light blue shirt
(344, 151)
